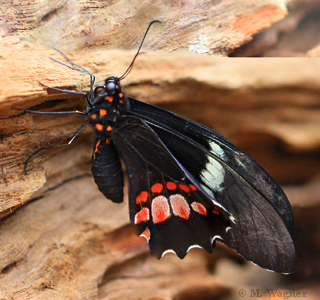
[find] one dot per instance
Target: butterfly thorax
(108, 106)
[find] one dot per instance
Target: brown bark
(59, 237)
(214, 27)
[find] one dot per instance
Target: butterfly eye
(111, 87)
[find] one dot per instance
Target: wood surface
(59, 237)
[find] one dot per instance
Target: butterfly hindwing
(166, 206)
(263, 222)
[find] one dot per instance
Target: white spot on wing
(207, 190)
(180, 206)
(213, 174)
(216, 237)
(232, 219)
(160, 209)
(168, 251)
(194, 246)
(216, 149)
(228, 228)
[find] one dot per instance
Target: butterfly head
(109, 103)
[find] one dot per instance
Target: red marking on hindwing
(199, 208)
(157, 188)
(120, 95)
(142, 197)
(180, 206)
(109, 98)
(216, 212)
(107, 141)
(97, 146)
(109, 128)
(102, 112)
(142, 216)
(193, 187)
(184, 187)
(160, 209)
(94, 116)
(146, 234)
(171, 186)
(99, 127)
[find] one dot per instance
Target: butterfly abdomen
(107, 170)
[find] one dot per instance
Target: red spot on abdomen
(157, 188)
(160, 209)
(102, 112)
(142, 216)
(97, 146)
(142, 197)
(180, 206)
(99, 127)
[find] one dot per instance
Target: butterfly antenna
(131, 65)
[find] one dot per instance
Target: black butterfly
(188, 185)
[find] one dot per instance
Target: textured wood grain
(59, 237)
(212, 27)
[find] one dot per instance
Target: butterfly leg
(69, 91)
(51, 147)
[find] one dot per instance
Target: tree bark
(59, 237)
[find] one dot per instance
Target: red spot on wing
(120, 95)
(109, 98)
(160, 209)
(193, 187)
(97, 146)
(142, 216)
(146, 234)
(109, 128)
(199, 208)
(180, 206)
(157, 188)
(171, 186)
(99, 127)
(107, 141)
(94, 116)
(216, 212)
(121, 101)
(102, 112)
(184, 187)
(142, 197)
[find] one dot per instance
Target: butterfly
(188, 185)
